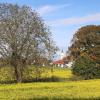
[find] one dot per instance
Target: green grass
(58, 72)
(78, 90)
(7, 74)
(66, 90)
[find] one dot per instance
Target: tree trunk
(18, 74)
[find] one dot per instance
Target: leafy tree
(23, 37)
(86, 41)
(84, 66)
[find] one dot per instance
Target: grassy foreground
(75, 90)
(52, 91)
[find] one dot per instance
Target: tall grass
(29, 75)
(79, 90)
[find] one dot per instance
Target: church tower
(62, 55)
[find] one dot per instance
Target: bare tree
(23, 36)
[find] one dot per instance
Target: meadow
(30, 74)
(61, 90)
(80, 90)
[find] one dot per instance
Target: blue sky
(64, 16)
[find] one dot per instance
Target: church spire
(62, 54)
(62, 51)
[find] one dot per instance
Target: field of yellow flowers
(66, 90)
(76, 90)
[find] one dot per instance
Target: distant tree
(84, 66)
(86, 41)
(23, 37)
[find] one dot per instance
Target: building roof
(59, 62)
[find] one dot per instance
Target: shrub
(7, 74)
(86, 67)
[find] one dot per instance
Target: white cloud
(76, 20)
(50, 8)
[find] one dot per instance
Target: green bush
(32, 74)
(7, 74)
(86, 67)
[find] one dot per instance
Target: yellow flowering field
(62, 90)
